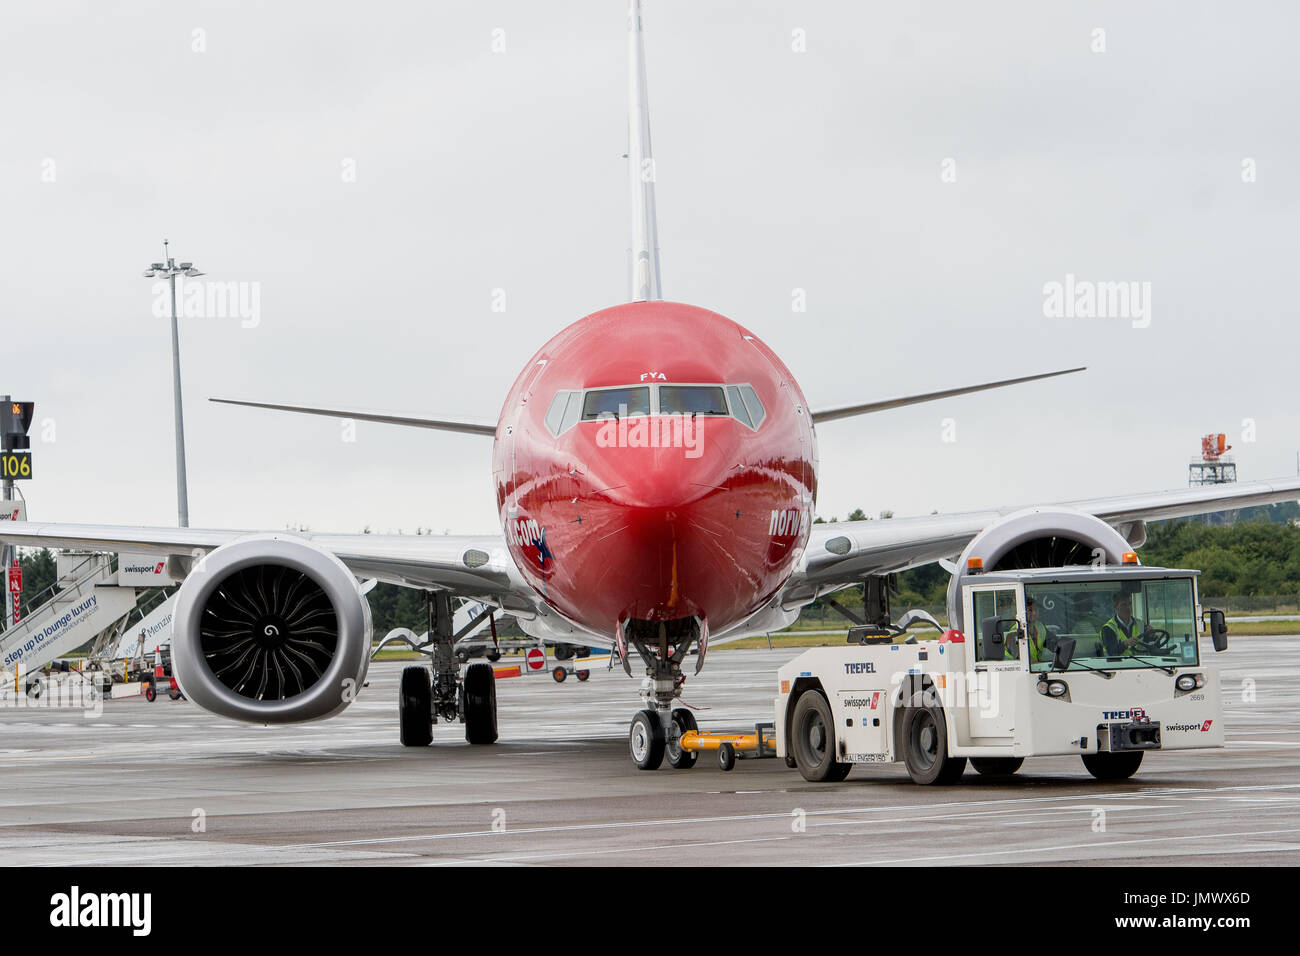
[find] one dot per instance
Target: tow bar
(730, 747)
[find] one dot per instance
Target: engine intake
(1037, 538)
(271, 629)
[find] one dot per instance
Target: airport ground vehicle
(989, 695)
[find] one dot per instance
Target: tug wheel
(812, 739)
(925, 747)
(996, 766)
(1113, 766)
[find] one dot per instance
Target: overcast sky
(777, 170)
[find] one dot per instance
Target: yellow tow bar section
(730, 747)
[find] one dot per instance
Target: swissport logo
(144, 568)
(1191, 728)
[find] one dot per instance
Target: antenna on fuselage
(644, 259)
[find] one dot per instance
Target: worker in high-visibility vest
(1037, 634)
(1123, 632)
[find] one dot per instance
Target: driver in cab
(1123, 632)
(1037, 634)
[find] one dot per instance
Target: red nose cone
(663, 509)
(663, 517)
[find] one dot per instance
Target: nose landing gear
(658, 728)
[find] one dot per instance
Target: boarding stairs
(83, 604)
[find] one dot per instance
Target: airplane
(655, 468)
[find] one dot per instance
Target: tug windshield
(1118, 623)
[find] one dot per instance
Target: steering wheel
(1155, 639)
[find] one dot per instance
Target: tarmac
(165, 783)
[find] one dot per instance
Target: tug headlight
(1189, 682)
(1053, 688)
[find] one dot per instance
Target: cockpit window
(555, 414)
(738, 406)
(756, 410)
(616, 403)
(692, 400)
(569, 406)
(572, 411)
(564, 410)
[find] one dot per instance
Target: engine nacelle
(271, 629)
(1037, 538)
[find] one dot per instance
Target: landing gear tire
(480, 704)
(925, 748)
(560, 675)
(678, 758)
(813, 740)
(1113, 766)
(415, 708)
(996, 766)
(727, 757)
(646, 739)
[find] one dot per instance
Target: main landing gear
(439, 691)
(657, 729)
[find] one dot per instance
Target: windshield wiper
(1147, 660)
(1104, 673)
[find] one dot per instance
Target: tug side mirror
(993, 632)
(1218, 625)
(1062, 653)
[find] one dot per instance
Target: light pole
(170, 270)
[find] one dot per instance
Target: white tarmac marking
(1090, 845)
(910, 814)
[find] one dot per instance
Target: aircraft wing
(473, 566)
(387, 418)
(846, 551)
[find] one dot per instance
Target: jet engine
(1037, 538)
(271, 629)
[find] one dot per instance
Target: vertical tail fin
(644, 263)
